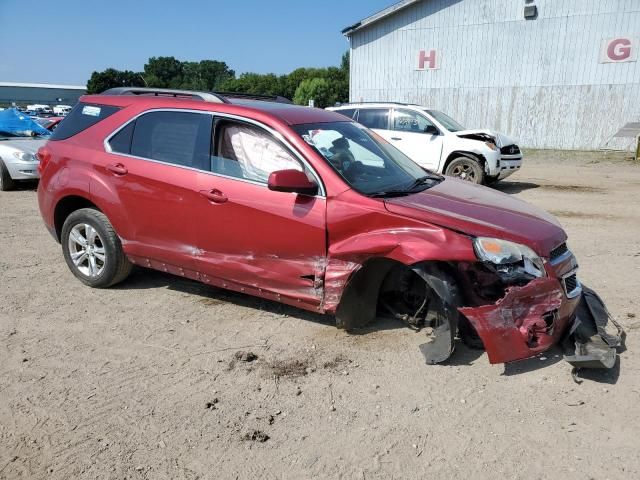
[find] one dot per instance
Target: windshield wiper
(389, 193)
(421, 181)
(409, 189)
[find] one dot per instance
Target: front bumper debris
(526, 321)
(592, 342)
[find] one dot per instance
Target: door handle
(214, 195)
(117, 169)
(396, 138)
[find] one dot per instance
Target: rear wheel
(466, 168)
(6, 182)
(92, 249)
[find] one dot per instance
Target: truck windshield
(445, 120)
(366, 161)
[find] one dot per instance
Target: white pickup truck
(437, 142)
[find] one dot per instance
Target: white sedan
(18, 160)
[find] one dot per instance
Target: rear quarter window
(374, 118)
(81, 117)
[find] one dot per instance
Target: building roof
(396, 7)
(42, 85)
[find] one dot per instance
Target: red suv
(301, 206)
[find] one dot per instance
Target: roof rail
(165, 92)
(254, 96)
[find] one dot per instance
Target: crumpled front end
(525, 322)
(530, 315)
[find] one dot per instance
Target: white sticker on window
(90, 110)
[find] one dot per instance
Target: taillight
(44, 155)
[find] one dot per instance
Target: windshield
(446, 121)
(366, 161)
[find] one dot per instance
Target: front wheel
(92, 249)
(6, 182)
(466, 168)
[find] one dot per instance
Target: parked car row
(309, 208)
(20, 138)
(43, 110)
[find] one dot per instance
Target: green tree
(164, 72)
(261, 84)
(318, 89)
(208, 75)
(345, 62)
(214, 73)
(205, 75)
(110, 78)
(293, 80)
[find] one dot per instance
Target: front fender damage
(441, 342)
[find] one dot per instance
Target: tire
(6, 182)
(466, 168)
(490, 180)
(92, 249)
(468, 334)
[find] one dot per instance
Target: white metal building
(23, 94)
(553, 73)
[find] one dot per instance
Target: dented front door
(265, 241)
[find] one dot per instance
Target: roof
(292, 114)
(376, 17)
(288, 113)
(42, 85)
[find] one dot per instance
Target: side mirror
(291, 181)
(431, 130)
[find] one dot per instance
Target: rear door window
(409, 121)
(81, 117)
(374, 118)
(179, 138)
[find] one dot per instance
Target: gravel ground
(166, 378)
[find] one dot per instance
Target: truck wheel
(466, 168)
(490, 180)
(6, 182)
(92, 249)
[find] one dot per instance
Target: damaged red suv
(301, 206)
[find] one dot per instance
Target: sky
(63, 41)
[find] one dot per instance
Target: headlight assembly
(509, 258)
(25, 156)
(491, 145)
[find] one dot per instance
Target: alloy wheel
(86, 250)
(464, 171)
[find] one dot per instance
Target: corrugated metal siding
(539, 80)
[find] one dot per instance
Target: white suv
(437, 142)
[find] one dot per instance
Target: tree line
(326, 86)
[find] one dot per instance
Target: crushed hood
(481, 211)
(502, 140)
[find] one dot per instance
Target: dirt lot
(142, 381)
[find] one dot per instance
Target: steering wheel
(355, 168)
